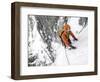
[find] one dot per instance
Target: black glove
(75, 39)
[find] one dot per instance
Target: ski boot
(72, 47)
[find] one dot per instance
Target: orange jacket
(66, 34)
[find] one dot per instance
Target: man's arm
(72, 34)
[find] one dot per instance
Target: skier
(65, 36)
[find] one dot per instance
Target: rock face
(44, 45)
(45, 32)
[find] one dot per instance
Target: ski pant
(65, 41)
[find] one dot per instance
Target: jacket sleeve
(72, 34)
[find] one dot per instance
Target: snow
(61, 59)
(78, 56)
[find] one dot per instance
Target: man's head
(66, 27)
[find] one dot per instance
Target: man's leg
(69, 41)
(73, 47)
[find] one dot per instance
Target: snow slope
(78, 56)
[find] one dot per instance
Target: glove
(75, 39)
